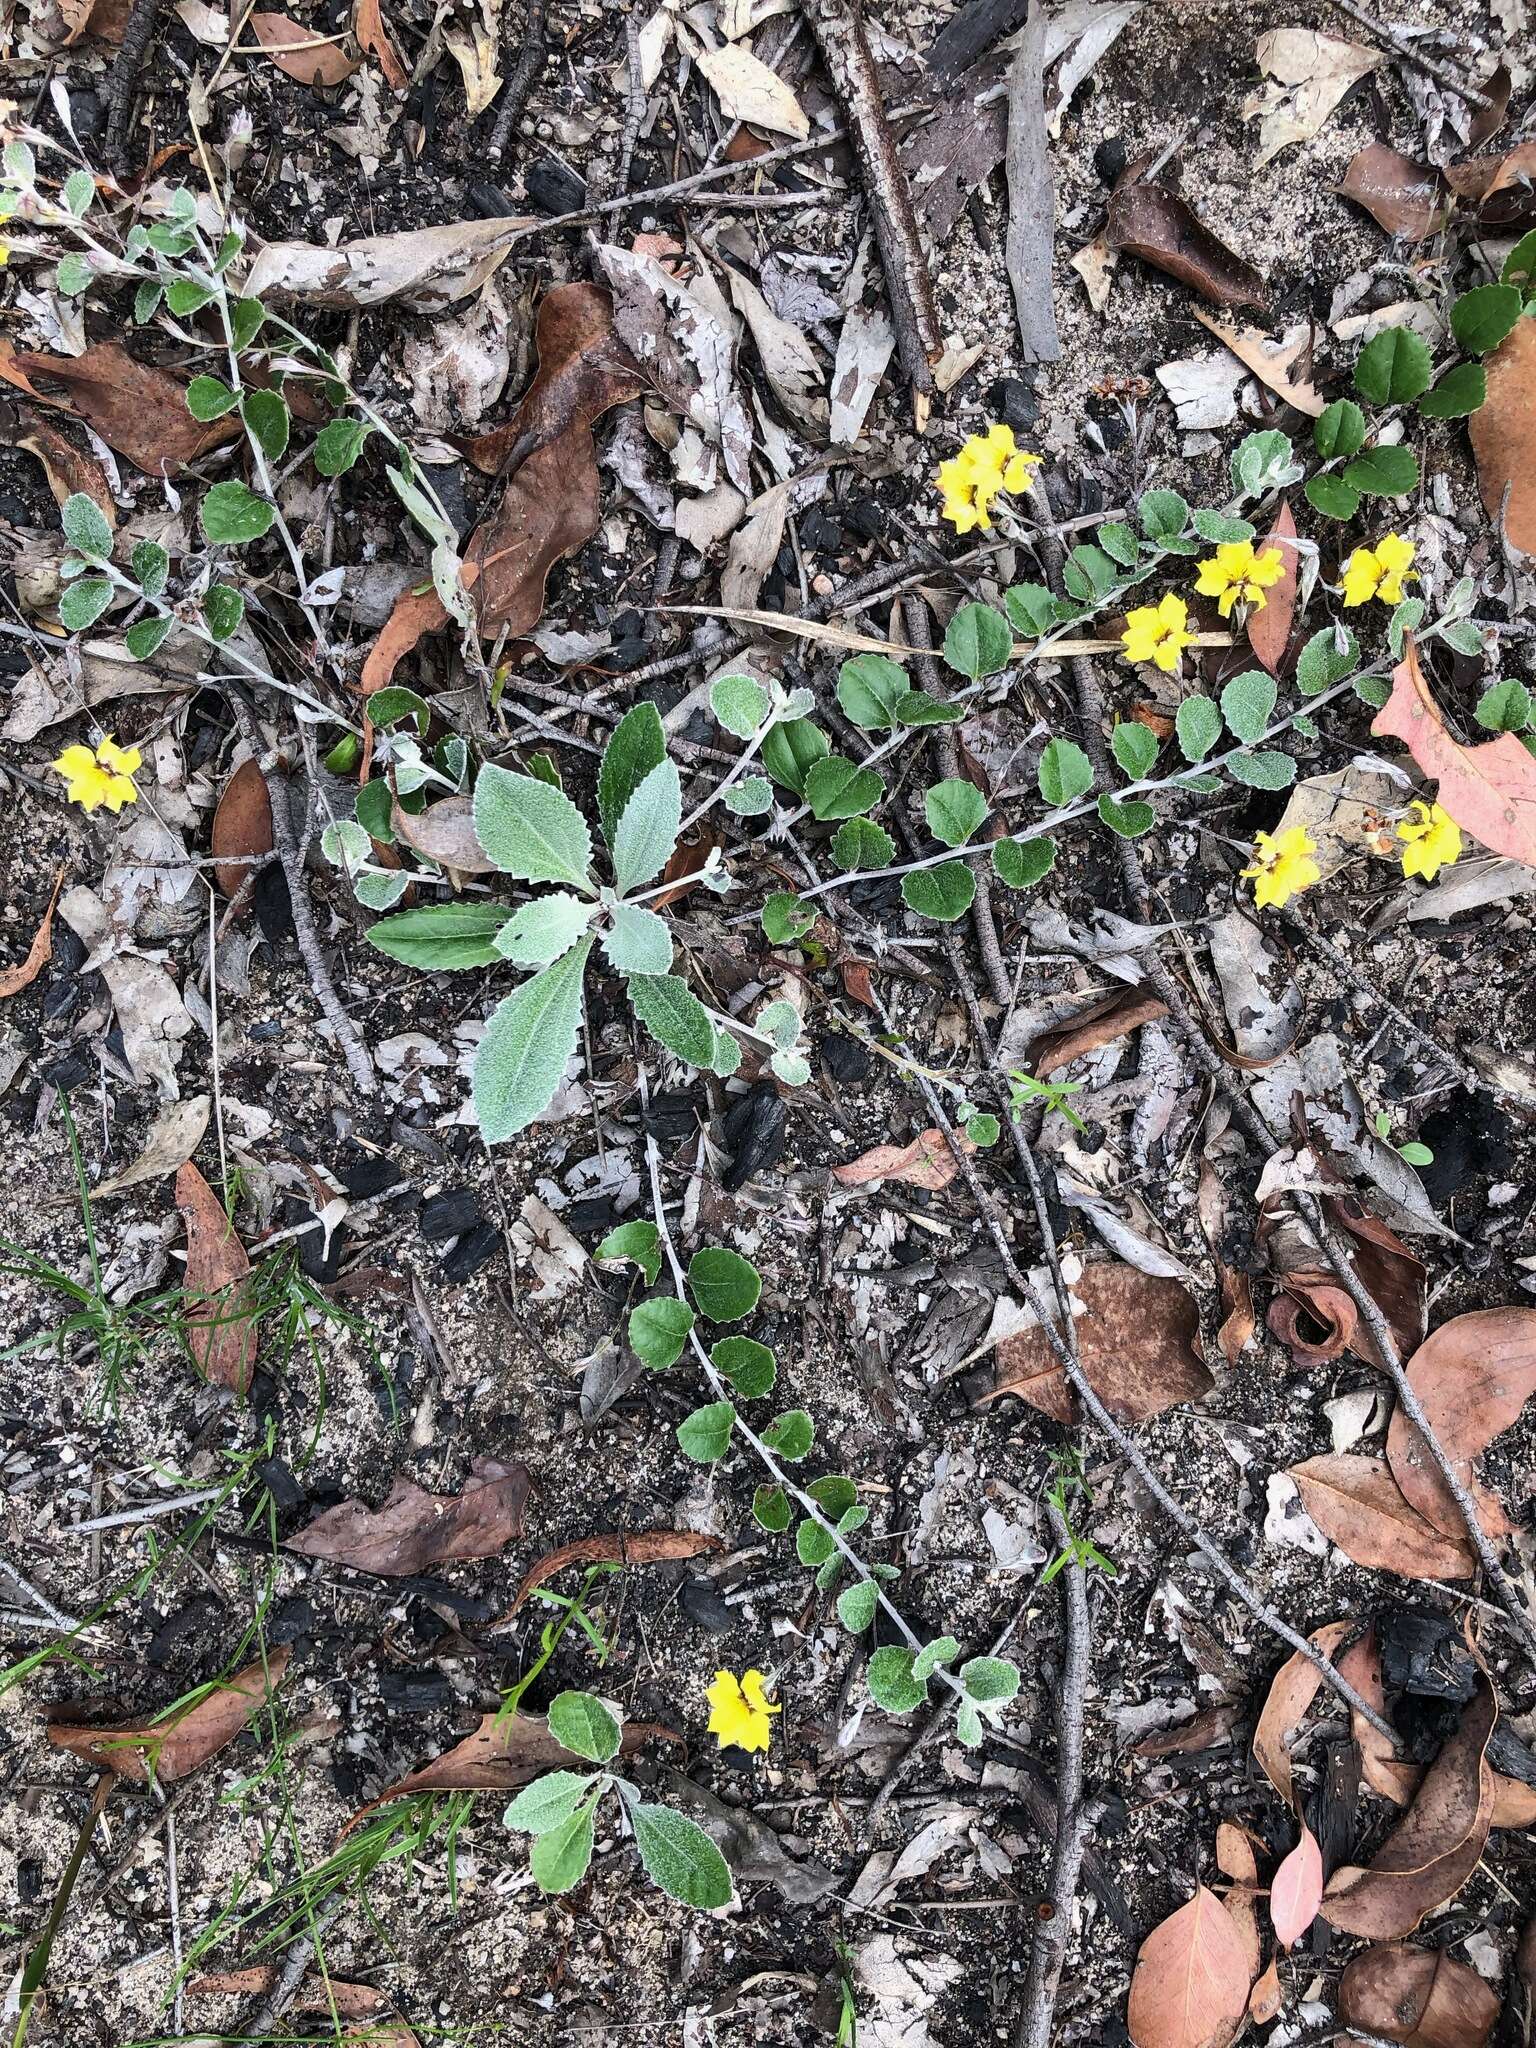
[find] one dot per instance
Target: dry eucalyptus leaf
(223, 1333)
(1309, 74)
(181, 1743)
(749, 91)
(168, 1144)
(150, 1013)
(421, 268)
(415, 1530)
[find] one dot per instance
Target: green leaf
(152, 565)
(917, 708)
(1065, 773)
(943, 893)
(1406, 618)
(839, 788)
(638, 746)
(634, 1244)
(790, 1435)
(581, 1723)
(1520, 264)
(1089, 574)
(338, 445)
(638, 942)
(86, 528)
(1324, 661)
(1163, 515)
(725, 1286)
(977, 642)
(1460, 391)
(529, 830)
(1198, 724)
(658, 1330)
(781, 1021)
(223, 609)
(1265, 770)
(1248, 704)
(208, 398)
(1371, 690)
(547, 1802)
(1135, 748)
(266, 419)
(1464, 635)
(1339, 430)
(990, 1681)
(1023, 862)
(785, 917)
(1388, 472)
(861, 843)
(83, 603)
(395, 702)
(231, 515)
(1220, 526)
(528, 1042)
(647, 832)
(1393, 368)
(834, 1494)
(20, 165)
(74, 276)
(705, 1435)
(968, 1725)
(771, 1509)
(1032, 608)
(146, 637)
(246, 317)
(750, 797)
(954, 810)
(750, 1367)
(791, 750)
(1119, 542)
(185, 295)
(541, 767)
(739, 704)
(1130, 819)
(1482, 317)
(540, 931)
(928, 1659)
(674, 1016)
(680, 1857)
(814, 1544)
(857, 1606)
(1332, 497)
(560, 1858)
(1262, 460)
(890, 1680)
(442, 937)
(869, 688)
(1504, 707)
(1415, 1154)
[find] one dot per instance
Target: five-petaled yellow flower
(1155, 632)
(1282, 865)
(1379, 571)
(100, 775)
(1236, 575)
(987, 464)
(738, 1713)
(1431, 840)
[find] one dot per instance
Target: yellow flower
(1236, 575)
(1431, 841)
(738, 1712)
(100, 776)
(1379, 571)
(987, 464)
(1282, 866)
(1155, 632)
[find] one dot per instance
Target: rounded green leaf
(1339, 430)
(978, 641)
(634, 1244)
(785, 918)
(857, 1606)
(705, 1435)
(834, 1494)
(1481, 318)
(941, 1650)
(637, 941)
(152, 566)
(1461, 391)
(1130, 820)
(954, 810)
(1248, 704)
(1163, 515)
(658, 1330)
(1267, 769)
(990, 1681)
(83, 603)
(1065, 773)
(739, 704)
(441, 937)
(943, 893)
(1031, 606)
(771, 1509)
(680, 1857)
(890, 1681)
(917, 708)
(1332, 497)
(223, 609)
(86, 528)
(860, 843)
(1393, 368)
(750, 1367)
(338, 445)
(1198, 725)
(1504, 707)
(813, 1544)
(791, 750)
(232, 515)
(581, 1723)
(1023, 862)
(839, 788)
(1325, 661)
(146, 636)
(790, 1435)
(1135, 748)
(266, 419)
(869, 688)
(1387, 472)
(724, 1285)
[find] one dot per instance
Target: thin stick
(634, 101)
(519, 86)
(126, 66)
(1430, 66)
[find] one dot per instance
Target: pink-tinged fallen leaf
(222, 1330)
(926, 1163)
(1139, 1343)
(1419, 1996)
(1359, 1506)
(1294, 1688)
(1405, 198)
(415, 1529)
(1269, 630)
(1296, 1890)
(1237, 1854)
(1267, 1996)
(1473, 1376)
(182, 1742)
(1490, 788)
(373, 36)
(1503, 432)
(1190, 1989)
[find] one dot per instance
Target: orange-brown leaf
(1295, 1687)
(1138, 1342)
(1359, 1506)
(1269, 630)
(298, 52)
(1419, 1996)
(14, 979)
(1190, 1989)
(68, 468)
(644, 1546)
(1503, 431)
(445, 833)
(1490, 788)
(374, 37)
(926, 1162)
(1473, 1376)
(242, 827)
(1401, 196)
(138, 410)
(415, 1530)
(1115, 1016)
(175, 1747)
(221, 1329)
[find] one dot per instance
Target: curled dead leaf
(180, 1744)
(1187, 1738)
(1315, 1316)
(14, 979)
(1503, 431)
(1149, 221)
(1489, 789)
(1292, 1692)
(1473, 1376)
(1500, 187)
(139, 411)
(415, 1530)
(1358, 1505)
(445, 833)
(1138, 1342)
(168, 1144)
(1117, 1015)
(926, 1162)
(222, 1333)
(242, 828)
(1419, 1996)
(644, 1546)
(423, 268)
(68, 468)
(1405, 198)
(374, 39)
(1190, 1988)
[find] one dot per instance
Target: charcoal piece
(473, 1250)
(754, 1135)
(701, 1603)
(415, 1692)
(448, 1214)
(846, 1061)
(366, 1173)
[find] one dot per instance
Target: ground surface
(877, 1299)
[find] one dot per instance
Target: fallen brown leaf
(1389, 1776)
(421, 268)
(1294, 1688)
(685, 864)
(14, 979)
(1437, 1845)
(1269, 361)
(1190, 1989)
(299, 53)
(1309, 74)
(322, 1994)
(222, 1334)
(645, 1546)
(242, 827)
(415, 1529)
(168, 1144)
(68, 468)
(1489, 789)
(1237, 1854)
(1405, 198)
(1359, 1506)
(1138, 1344)
(1116, 1015)
(1503, 431)
(1296, 1890)
(416, 613)
(1500, 187)
(1419, 1996)
(139, 411)
(1267, 1996)
(373, 37)
(926, 1162)
(1473, 1376)
(445, 833)
(1269, 630)
(1238, 1320)
(1314, 1315)
(1203, 1731)
(175, 1747)
(1155, 224)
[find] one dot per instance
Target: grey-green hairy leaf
(1135, 748)
(1248, 703)
(544, 929)
(232, 515)
(531, 1036)
(739, 703)
(1021, 863)
(85, 526)
(647, 831)
(890, 1681)
(547, 1802)
(583, 1724)
(638, 942)
(638, 745)
(674, 1016)
(1198, 725)
(441, 936)
(680, 1857)
(529, 830)
(83, 603)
